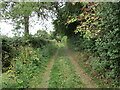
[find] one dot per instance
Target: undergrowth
(95, 67)
(30, 62)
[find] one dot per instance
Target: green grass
(63, 73)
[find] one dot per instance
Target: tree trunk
(26, 24)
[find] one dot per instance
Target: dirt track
(85, 78)
(79, 71)
(46, 75)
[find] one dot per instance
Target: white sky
(35, 25)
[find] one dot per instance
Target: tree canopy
(20, 12)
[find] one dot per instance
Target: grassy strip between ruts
(63, 73)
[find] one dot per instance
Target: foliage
(36, 42)
(42, 34)
(64, 39)
(28, 64)
(8, 52)
(95, 29)
(90, 27)
(20, 12)
(10, 47)
(64, 13)
(107, 46)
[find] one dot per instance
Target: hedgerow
(96, 29)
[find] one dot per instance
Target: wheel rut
(85, 78)
(46, 75)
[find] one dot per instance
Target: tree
(65, 13)
(42, 34)
(20, 12)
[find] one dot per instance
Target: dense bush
(8, 52)
(29, 63)
(10, 47)
(98, 32)
(106, 44)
